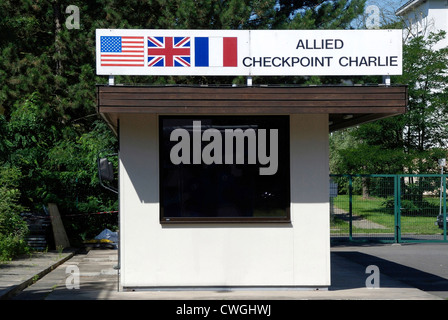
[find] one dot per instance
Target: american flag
(169, 52)
(119, 51)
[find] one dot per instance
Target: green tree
(411, 142)
(50, 129)
(12, 228)
(426, 73)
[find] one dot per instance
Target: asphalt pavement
(417, 271)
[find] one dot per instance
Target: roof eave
(408, 6)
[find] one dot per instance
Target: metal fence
(388, 208)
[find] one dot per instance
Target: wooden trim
(206, 103)
(179, 89)
(135, 98)
(332, 100)
(255, 110)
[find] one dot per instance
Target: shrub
(11, 246)
(13, 228)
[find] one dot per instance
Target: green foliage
(12, 246)
(51, 132)
(12, 227)
(408, 143)
(426, 75)
(410, 207)
(328, 15)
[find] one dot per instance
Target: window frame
(286, 218)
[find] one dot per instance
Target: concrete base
(348, 279)
(226, 289)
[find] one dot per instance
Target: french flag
(216, 51)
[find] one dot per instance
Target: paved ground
(407, 272)
(20, 273)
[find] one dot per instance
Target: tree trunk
(57, 39)
(365, 188)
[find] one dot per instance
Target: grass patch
(377, 211)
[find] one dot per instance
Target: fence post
(444, 207)
(350, 206)
(397, 208)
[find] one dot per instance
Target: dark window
(224, 169)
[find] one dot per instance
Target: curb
(10, 292)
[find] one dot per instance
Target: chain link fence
(392, 208)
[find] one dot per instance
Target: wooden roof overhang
(346, 105)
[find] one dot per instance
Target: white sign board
(248, 52)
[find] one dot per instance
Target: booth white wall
(153, 255)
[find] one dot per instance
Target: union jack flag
(169, 52)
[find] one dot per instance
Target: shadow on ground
(413, 277)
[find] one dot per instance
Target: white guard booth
(228, 186)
